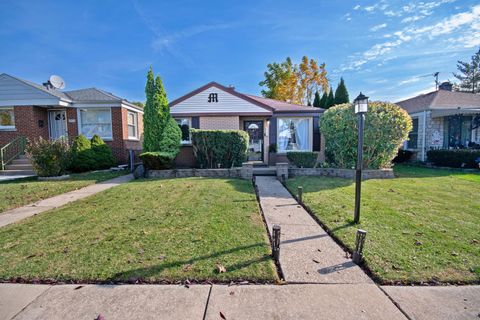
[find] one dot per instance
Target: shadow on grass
(156, 270)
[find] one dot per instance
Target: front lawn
(146, 230)
(422, 226)
(17, 193)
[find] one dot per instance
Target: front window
(413, 135)
(294, 134)
(7, 118)
(184, 124)
(96, 121)
(459, 131)
(132, 124)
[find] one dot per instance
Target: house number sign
(213, 97)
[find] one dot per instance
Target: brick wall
(220, 123)
(27, 124)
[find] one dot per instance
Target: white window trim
(135, 124)
(9, 128)
(185, 143)
(310, 135)
(79, 122)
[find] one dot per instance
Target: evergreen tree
(469, 75)
(323, 100)
(341, 94)
(316, 101)
(330, 99)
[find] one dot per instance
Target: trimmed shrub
(83, 157)
(104, 158)
(459, 158)
(157, 160)
(386, 127)
(227, 148)
(303, 159)
(49, 158)
(403, 156)
(172, 135)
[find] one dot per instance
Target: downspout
(424, 134)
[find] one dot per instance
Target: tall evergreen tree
(316, 100)
(341, 94)
(154, 118)
(323, 100)
(469, 74)
(330, 99)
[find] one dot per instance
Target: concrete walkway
(307, 253)
(21, 213)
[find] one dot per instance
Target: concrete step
(265, 171)
(20, 161)
(19, 166)
(16, 172)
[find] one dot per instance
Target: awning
(451, 112)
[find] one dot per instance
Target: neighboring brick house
(32, 110)
(443, 119)
(269, 123)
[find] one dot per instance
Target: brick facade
(30, 122)
(220, 123)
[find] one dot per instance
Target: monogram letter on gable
(213, 97)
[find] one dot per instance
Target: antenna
(435, 75)
(56, 82)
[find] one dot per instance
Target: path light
(300, 194)
(359, 244)
(276, 242)
(361, 107)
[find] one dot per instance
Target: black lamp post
(361, 107)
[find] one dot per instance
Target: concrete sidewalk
(302, 301)
(21, 213)
(307, 253)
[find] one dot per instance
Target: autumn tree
(294, 83)
(469, 74)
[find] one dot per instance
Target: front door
(255, 143)
(57, 124)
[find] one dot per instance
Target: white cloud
(410, 80)
(378, 27)
(357, 7)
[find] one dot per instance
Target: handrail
(12, 150)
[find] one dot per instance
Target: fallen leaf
(221, 269)
(222, 316)
(77, 288)
(100, 317)
(187, 267)
(418, 243)
(316, 261)
(454, 254)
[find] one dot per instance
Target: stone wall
(184, 173)
(341, 173)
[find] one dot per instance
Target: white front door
(57, 124)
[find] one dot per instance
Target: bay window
(7, 118)
(294, 134)
(96, 121)
(132, 125)
(184, 124)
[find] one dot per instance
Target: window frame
(310, 134)
(11, 127)
(189, 119)
(415, 133)
(135, 125)
(79, 117)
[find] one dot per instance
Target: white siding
(227, 103)
(17, 93)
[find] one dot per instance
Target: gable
(220, 102)
(14, 92)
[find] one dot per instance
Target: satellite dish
(57, 82)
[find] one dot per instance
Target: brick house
(443, 119)
(270, 124)
(32, 110)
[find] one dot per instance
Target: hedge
(104, 158)
(92, 154)
(224, 148)
(49, 158)
(403, 156)
(158, 160)
(459, 158)
(303, 159)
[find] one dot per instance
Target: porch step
(19, 166)
(17, 173)
(264, 171)
(20, 161)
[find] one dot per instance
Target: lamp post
(361, 107)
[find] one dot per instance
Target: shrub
(460, 158)
(171, 137)
(386, 127)
(303, 159)
(403, 156)
(272, 148)
(104, 158)
(227, 148)
(83, 157)
(49, 158)
(157, 160)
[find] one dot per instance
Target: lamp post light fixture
(361, 107)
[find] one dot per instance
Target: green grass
(17, 193)
(146, 230)
(422, 226)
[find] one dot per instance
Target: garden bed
(145, 231)
(422, 226)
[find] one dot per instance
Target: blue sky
(380, 47)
